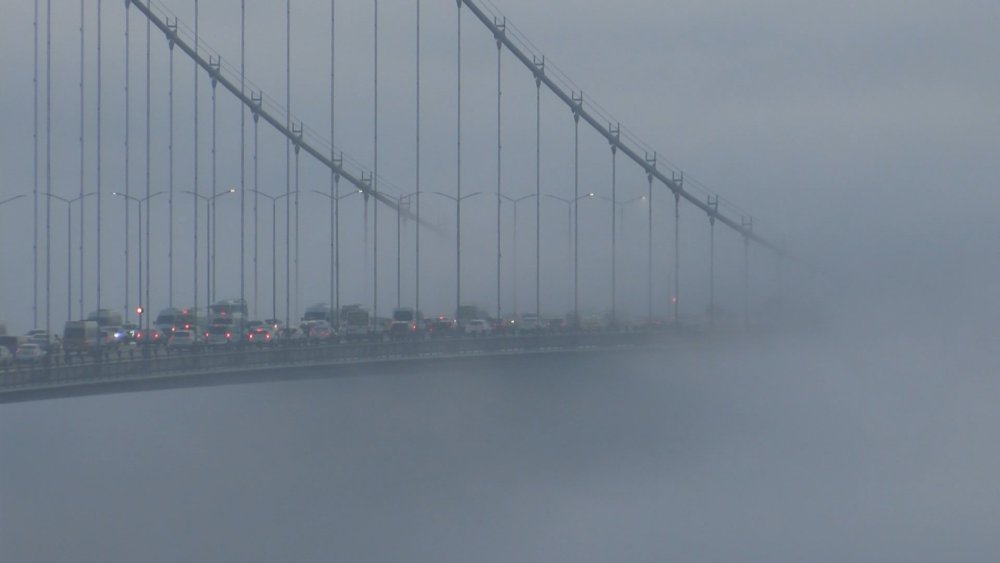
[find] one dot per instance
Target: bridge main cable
(614, 140)
(216, 73)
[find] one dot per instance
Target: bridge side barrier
(243, 358)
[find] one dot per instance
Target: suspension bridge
(357, 187)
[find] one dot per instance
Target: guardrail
(209, 360)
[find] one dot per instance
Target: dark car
(440, 327)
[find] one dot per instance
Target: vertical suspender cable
(48, 162)
(576, 219)
(499, 170)
(458, 174)
(212, 297)
(538, 198)
(256, 238)
(649, 250)
(288, 161)
(196, 72)
(375, 185)
(677, 257)
(417, 276)
(146, 302)
(34, 217)
(125, 201)
(170, 177)
(614, 239)
(98, 126)
(334, 192)
(711, 263)
(82, 160)
(243, 143)
(295, 295)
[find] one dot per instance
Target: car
(401, 330)
(477, 327)
(557, 324)
(441, 326)
(530, 322)
(108, 340)
(218, 335)
(258, 336)
(29, 353)
(292, 334)
(153, 336)
(504, 326)
(182, 340)
(48, 342)
(319, 330)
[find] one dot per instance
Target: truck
(466, 313)
(319, 312)
(355, 321)
(105, 317)
(230, 313)
(81, 338)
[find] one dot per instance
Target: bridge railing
(244, 358)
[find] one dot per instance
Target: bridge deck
(249, 364)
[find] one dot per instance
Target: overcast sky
(855, 133)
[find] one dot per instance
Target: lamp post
(458, 244)
(210, 240)
(274, 249)
(139, 201)
(515, 201)
(334, 245)
(10, 199)
(69, 251)
(399, 242)
(621, 211)
(571, 204)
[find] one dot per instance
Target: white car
(182, 340)
(29, 353)
(477, 327)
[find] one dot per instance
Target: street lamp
(69, 250)
(399, 242)
(458, 244)
(334, 246)
(620, 205)
(210, 240)
(10, 199)
(572, 206)
(515, 201)
(139, 201)
(274, 250)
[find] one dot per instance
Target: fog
(857, 421)
(862, 445)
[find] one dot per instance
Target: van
(81, 337)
